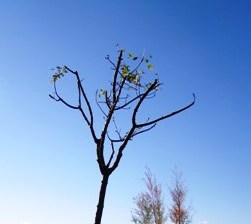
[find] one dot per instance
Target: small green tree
(150, 208)
(130, 88)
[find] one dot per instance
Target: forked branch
(129, 90)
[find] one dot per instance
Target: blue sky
(48, 172)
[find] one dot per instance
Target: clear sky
(48, 172)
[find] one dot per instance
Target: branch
(108, 58)
(80, 86)
(129, 102)
(116, 75)
(116, 129)
(61, 99)
(107, 100)
(52, 97)
(130, 134)
(79, 96)
(121, 149)
(111, 157)
(153, 86)
(145, 130)
(112, 109)
(136, 68)
(168, 115)
(98, 103)
(121, 139)
(79, 107)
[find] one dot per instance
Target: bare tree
(128, 91)
(179, 213)
(150, 208)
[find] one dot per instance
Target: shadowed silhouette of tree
(130, 88)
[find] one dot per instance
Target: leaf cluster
(59, 73)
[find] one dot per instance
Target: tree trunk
(101, 199)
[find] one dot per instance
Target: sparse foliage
(178, 212)
(150, 207)
(130, 88)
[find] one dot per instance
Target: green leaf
(125, 70)
(150, 67)
(102, 92)
(130, 55)
(135, 58)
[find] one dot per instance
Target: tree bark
(101, 199)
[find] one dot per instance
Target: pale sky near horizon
(48, 169)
